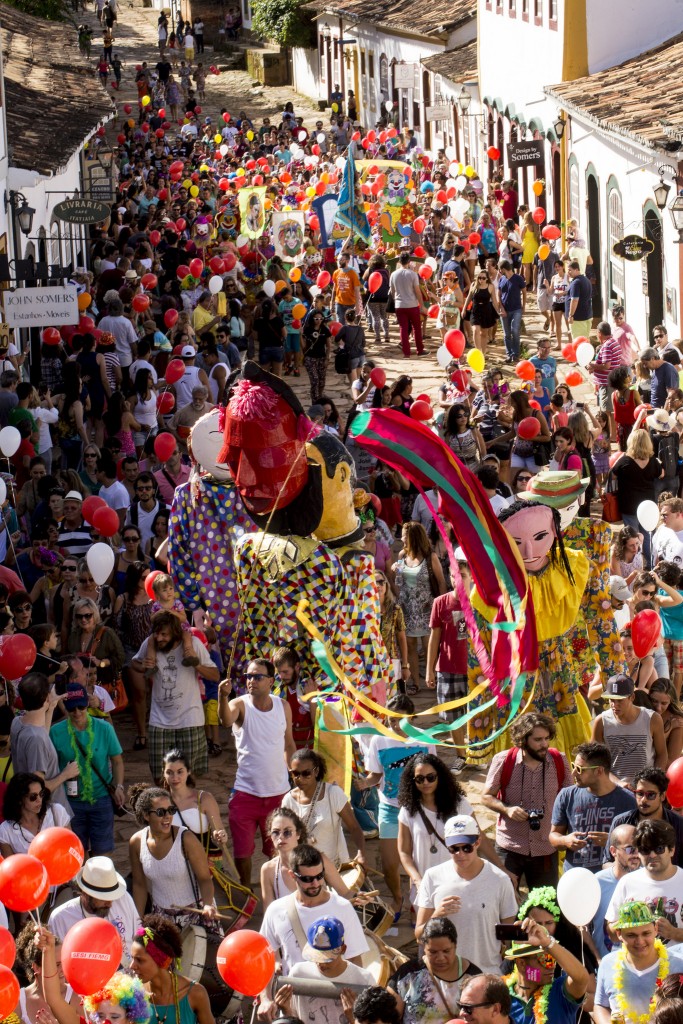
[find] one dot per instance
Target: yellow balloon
(241, 172)
(267, 204)
(194, 191)
(218, 139)
(460, 168)
(537, 188)
(287, 208)
(146, 100)
(187, 183)
(543, 252)
(250, 135)
(335, 108)
(475, 359)
(310, 191)
(470, 171)
(295, 274)
(325, 179)
(204, 167)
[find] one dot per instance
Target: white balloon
(585, 353)
(100, 559)
(223, 149)
(450, 183)
(443, 357)
(389, 106)
(340, 163)
(269, 288)
(450, 152)
(454, 169)
(10, 439)
(648, 515)
(242, 240)
(579, 895)
(461, 182)
(215, 284)
(314, 290)
(431, 262)
(3, 491)
(460, 206)
(321, 137)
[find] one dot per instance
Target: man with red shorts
(262, 727)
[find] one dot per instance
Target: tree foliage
(52, 10)
(283, 22)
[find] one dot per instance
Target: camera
(536, 815)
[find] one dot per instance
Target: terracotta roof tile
(458, 65)
(635, 98)
(423, 19)
(53, 100)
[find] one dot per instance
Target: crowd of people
(175, 298)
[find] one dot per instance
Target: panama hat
(660, 421)
(99, 878)
(555, 488)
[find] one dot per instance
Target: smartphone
(510, 932)
(580, 405)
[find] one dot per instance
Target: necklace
(619, 975)
(84, 758)
(162, 1020)
(310, 811)
(541, 997)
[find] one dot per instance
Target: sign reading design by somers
(524, 154)
(41, 307)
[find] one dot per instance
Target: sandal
(412, 689)
(140, 743)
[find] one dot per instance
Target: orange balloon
(84, 300)
(295, 274)
(298, 311)
(537, 188)
(543, 252)
(279, 286)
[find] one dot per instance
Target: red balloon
(573, 379)
(533, 404)
(551, 232)
(421, 411)
(493, 153)
(90, 507)
(149, 281)
(374, 282)
(171, 317)
(525, 369)
(423, 398)
(182, 271)
(425, 272)
(141, 303)
(127, 109)
(60, 851)
(419, 252)
(9, 991)
(148, 584)
(378, 377)
(245, 962)
(323, 279)
(174, 371)
(646, 632)
(106, 521)
(461, 379)
(335, 327)
(17, 655)
(200, 634)
(8, 950)
(181, 224)
(24, 884)
(216, 264)
(528, 428)
(474, 238)
(538, 215)
(455, 342)
(51, 336)
(569, 352)
(154, 238)
(82, 971)
(164, 446)
(196, 267)
(86, 325)
(675, 789)
(165, 402)
(229, 261)
(419, 224)
(433, 311)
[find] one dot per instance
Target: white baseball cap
(188, 352)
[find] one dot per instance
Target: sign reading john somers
(41, 307)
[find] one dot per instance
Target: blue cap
(325, 940)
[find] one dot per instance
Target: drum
(381, 960)
(232, 900)
(375, 915)
(353, 874)
(199, 964)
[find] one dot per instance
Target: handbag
(342, 363)
(610, 501)
(117, 692)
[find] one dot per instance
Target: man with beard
(650, 792)
(176, 716)
(625, 859)
(104, 895)
(521, 782)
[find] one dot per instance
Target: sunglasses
(34, 796)
(84, 615)
(306, 879)
(286, 833)
(23, 608)
(304, 773)
(468, 1007)
(420, 780)
(369, 529)
(648, 593)
(578, 768)
(523, 479)
(256, 675)
(131, 540)
(628, 849)
(647, 796)
(656, 850)
(164, 812)
(461, 848)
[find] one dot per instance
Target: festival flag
(350, 206)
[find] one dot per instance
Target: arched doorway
(652, 225)
(557, 185)
(593, 202)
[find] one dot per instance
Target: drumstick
(227, 856)
(195, 910)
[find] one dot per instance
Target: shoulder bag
(610, 500)
(120, 811)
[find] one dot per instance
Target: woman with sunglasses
(85, 588)
(323, 808)
(99, 642)
(19, 605)
(287, 831)
(130, 554)
(463, 436)
(88, 472)
(43, 591)
(60, 593)
(133, 616)
(168, 862)
(158, 539)
(197, 809)
(28, 810)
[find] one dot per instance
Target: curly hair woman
(156, 949)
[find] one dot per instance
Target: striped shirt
(76, 540)
(609, 357)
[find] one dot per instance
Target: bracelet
(405, 666)
(553, 942)
(50, 975)
(120, 785)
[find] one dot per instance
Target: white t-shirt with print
(176, 701)
(313, 1008)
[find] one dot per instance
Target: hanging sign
(524, 154)
(633, 248)
(41, 307)
(82, 211)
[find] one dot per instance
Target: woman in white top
(143, 405)
(323, 807)
(27, 812)
(287, 831)
(168, 863)
(195, 809)
(428, 795)
(31, 998)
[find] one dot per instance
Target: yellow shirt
(200, 318)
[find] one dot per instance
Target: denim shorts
(388, 821)
(292, 342)
(94, 824)
(272, 355)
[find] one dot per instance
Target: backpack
(667, 453)
(509, 766)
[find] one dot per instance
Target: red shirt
(447, 616)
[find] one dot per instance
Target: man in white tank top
(262, 727)
(635, 736)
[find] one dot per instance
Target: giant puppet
(297, 483)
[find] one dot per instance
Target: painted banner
(252, 211)
(288, 233)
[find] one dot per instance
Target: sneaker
(458, 765)
(372, 833)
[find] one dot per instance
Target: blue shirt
(580, 289)
(665, 376)
(638, 988)
(579, 810)
(548, 367)
(562, 1008)
(598, 926)
(510, 290)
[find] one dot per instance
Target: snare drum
(232, 899)
(353, 874)
(199, 964)
(381, 960)
(375, 915)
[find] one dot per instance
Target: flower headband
(545, 897)
(147, 938)
(47, 557)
